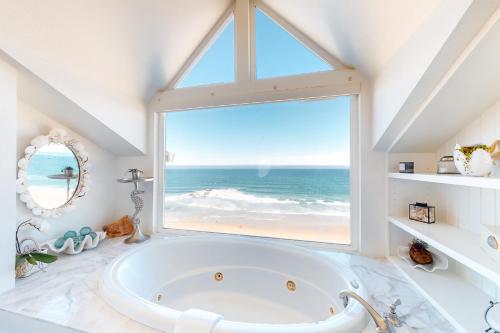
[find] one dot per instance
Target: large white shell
(40, 141)
(479, 165)
(439, 261)
(58, 132)
(22, 164)
(31, 204)
(69, 247)
(30, 150)
(21, 188)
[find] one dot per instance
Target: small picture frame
(422, 212)
(406, 167)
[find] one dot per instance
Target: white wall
(400, 77)
(98, 206)
(8, 87)
(373, 192)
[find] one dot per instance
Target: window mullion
(242, 19)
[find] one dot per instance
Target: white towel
(196, 321)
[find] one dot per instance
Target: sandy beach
(328, 229)
(48, 196)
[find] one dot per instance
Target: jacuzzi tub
(257, 286)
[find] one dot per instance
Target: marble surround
(67, 294)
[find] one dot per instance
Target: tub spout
(380, 322)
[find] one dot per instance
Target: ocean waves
(234, 200)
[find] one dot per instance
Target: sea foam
(234, 200)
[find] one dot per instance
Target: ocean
(253, 190)
(42, 165)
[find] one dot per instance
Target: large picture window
(277, 170)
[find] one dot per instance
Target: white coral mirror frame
(56, 136)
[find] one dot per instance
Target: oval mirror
(52, 173)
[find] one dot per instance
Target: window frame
(341, 81)
(159, 212)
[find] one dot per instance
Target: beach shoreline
(324, 229)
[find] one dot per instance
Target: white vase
(479, 164)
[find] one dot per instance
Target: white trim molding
(355, 181)
(314, 85)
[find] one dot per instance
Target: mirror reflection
(53, 175)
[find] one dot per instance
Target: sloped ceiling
(364, 34)
(130, 47)
(134, 47)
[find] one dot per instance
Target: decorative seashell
(78, 146)
(37, 211)
(24, 197)
(31, 204)
(46, 213)
(69, 246)
(58, 132)
(40, 141)
(21, 188)
(22, 174)
(30, 150)
(23, 164)
(479, 164)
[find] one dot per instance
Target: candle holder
(136, 178)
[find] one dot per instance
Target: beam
(314, 85)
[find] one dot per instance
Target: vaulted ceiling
(134, 47)
(362, 33)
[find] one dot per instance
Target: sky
(287, 133)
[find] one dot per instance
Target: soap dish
(439, 260)
(69, 245)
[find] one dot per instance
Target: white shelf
(482, 182)
(459, 244)
(458, 301)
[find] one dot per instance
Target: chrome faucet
(384, 324)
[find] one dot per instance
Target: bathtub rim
(163, 318)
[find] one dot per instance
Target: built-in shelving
(460, 302)
(452, 113)
(481, 182)
(459, 244)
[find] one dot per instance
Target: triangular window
(278, 53)
(217, 63)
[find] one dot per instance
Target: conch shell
(120, 227)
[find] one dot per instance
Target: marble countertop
(67, 294)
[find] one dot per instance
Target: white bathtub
(254, 293)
